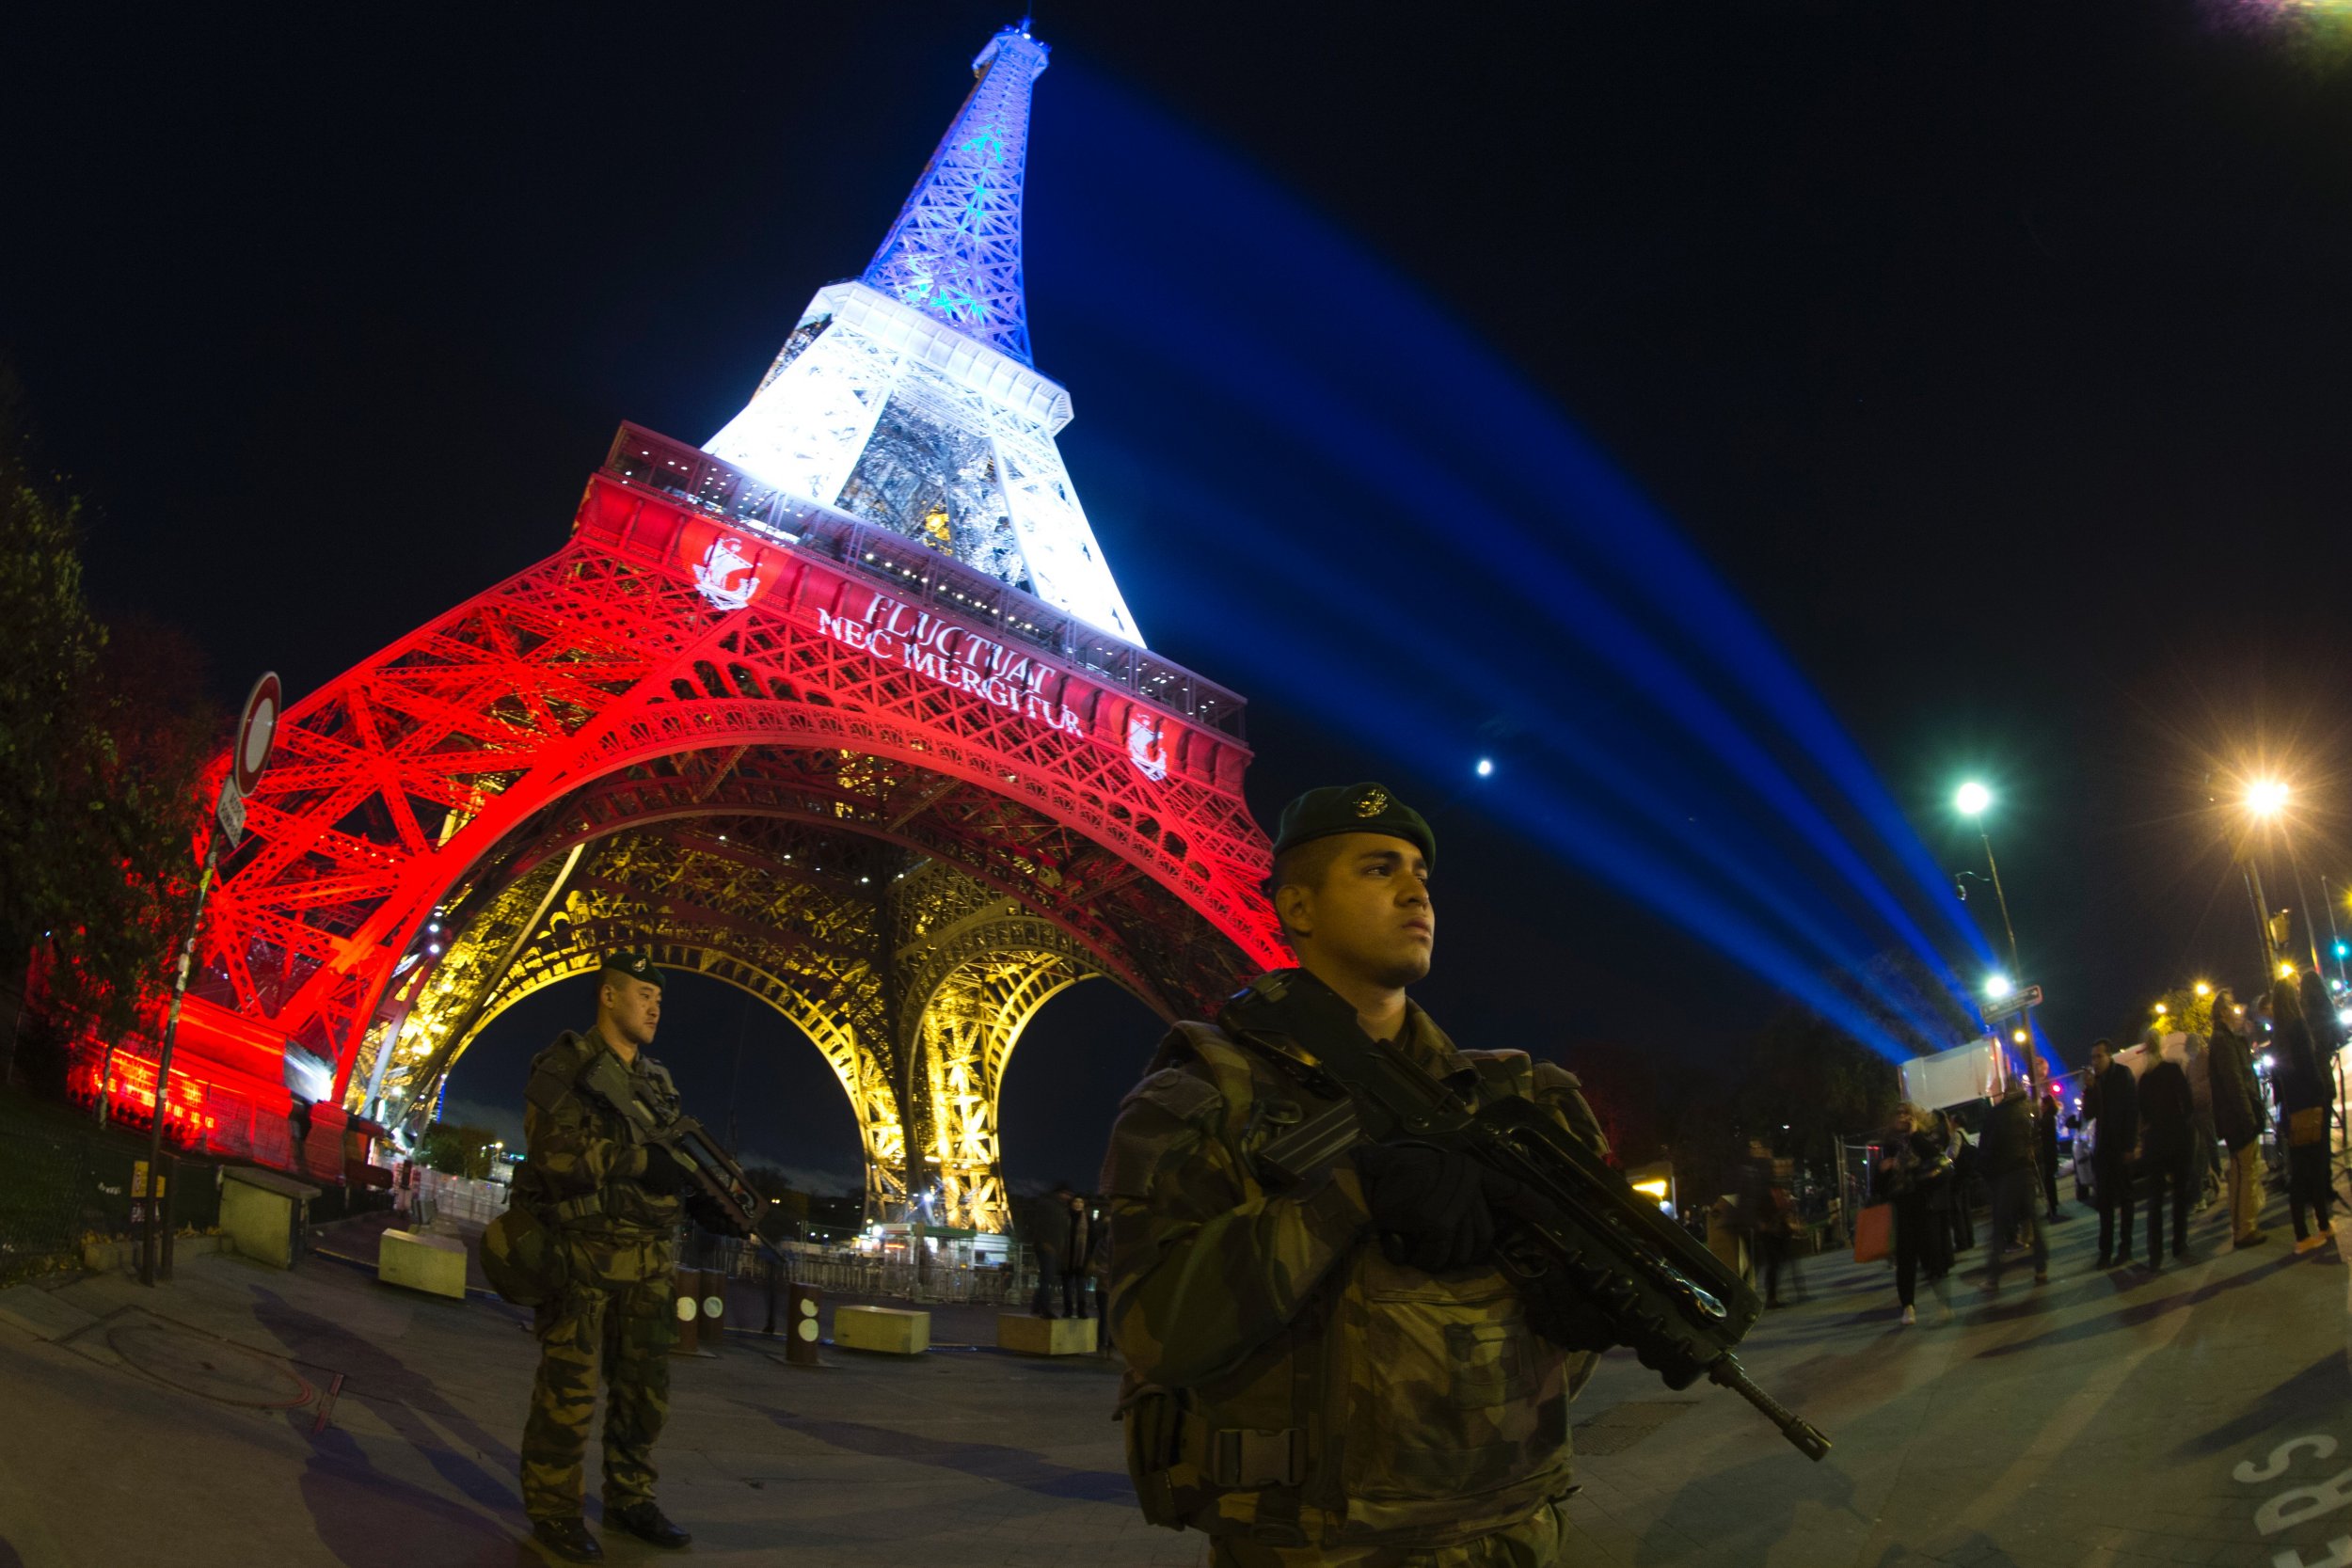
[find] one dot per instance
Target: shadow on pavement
(369, 1519)
(1007, 1467)
(2137, 1313)
(2325, 1385)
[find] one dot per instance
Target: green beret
(637, 966)
(1360, 808)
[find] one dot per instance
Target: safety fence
(62, 1182)
(840, 1272)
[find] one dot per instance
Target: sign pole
(257, 733)
(149, 1232)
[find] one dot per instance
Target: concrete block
(883, 1328)
(1033, 1336)
(258, 1213)
(432, 1263)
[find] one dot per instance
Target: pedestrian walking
(1046, 1219)
(1915, 1157)
(1967, 1175)
(1078, 1244)
(2166, 1113)
(2303, 1106)
(2237, 1115)
(2010, 1172)
(2114, 1115)
(297, 1134)
(2204, 1173)
(2044, 1104)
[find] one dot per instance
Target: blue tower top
(955, 250)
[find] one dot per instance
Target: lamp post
(2264, 800)
(1972, 800)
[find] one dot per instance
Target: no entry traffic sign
(256, 732)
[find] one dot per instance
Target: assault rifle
(722, 1194)
(1596, 1264)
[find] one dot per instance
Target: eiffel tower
(842, 708)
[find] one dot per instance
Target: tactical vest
(1395, 1404)
(621, 1204)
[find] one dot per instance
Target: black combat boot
(644, 1521)
(566, 1540)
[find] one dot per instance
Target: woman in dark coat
(2303, 1108)
(1914, 1159)
(2237, 1115)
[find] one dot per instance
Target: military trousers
(1540, 1540)
(617, 1311)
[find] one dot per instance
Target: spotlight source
(1972, 799)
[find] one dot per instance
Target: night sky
(1993, 356)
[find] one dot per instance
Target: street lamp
(1997, 987)
(2201, 989)
(1973, 801)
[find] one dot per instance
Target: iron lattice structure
(908, 398)
(845, 712)
(955, 250)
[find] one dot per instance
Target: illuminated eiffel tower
(844, 710)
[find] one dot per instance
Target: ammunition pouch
(1153, 1418)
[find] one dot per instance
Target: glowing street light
(1486, 768)
(2018, 1036)
(2266, 797)
(2286, 970)
(2201, 989)
(2162, 1009)
(1998, 986)
(1972, 799)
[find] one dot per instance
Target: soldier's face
(633, 1008)
(1371, 915)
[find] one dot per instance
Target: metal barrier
(60, 1183)
(839, 1272)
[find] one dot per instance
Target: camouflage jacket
(1285, 1380)
(581, 1156)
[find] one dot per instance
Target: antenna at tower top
(955, 252)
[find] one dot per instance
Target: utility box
(435, 1264)
(264, 1214)
(1034, 1336)
(892, 1329)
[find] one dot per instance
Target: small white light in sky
(1486, 768)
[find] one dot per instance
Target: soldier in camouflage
(611, 1201)
(1334, 1372)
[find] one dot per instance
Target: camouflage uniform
(616, 1239)
(1290, 1390)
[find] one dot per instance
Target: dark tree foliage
(456, 1150)
(1621, 1086)
(103, 742)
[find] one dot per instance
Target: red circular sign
(255, 733)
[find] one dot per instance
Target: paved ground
(245, 1416)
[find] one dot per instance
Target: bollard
(801, 1308)
(712, 1319)
(687, 1284)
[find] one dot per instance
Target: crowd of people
(2178, 1119)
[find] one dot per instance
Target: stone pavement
(245, 1416)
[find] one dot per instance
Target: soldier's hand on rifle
(1428, 1204)
(663, 1174)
